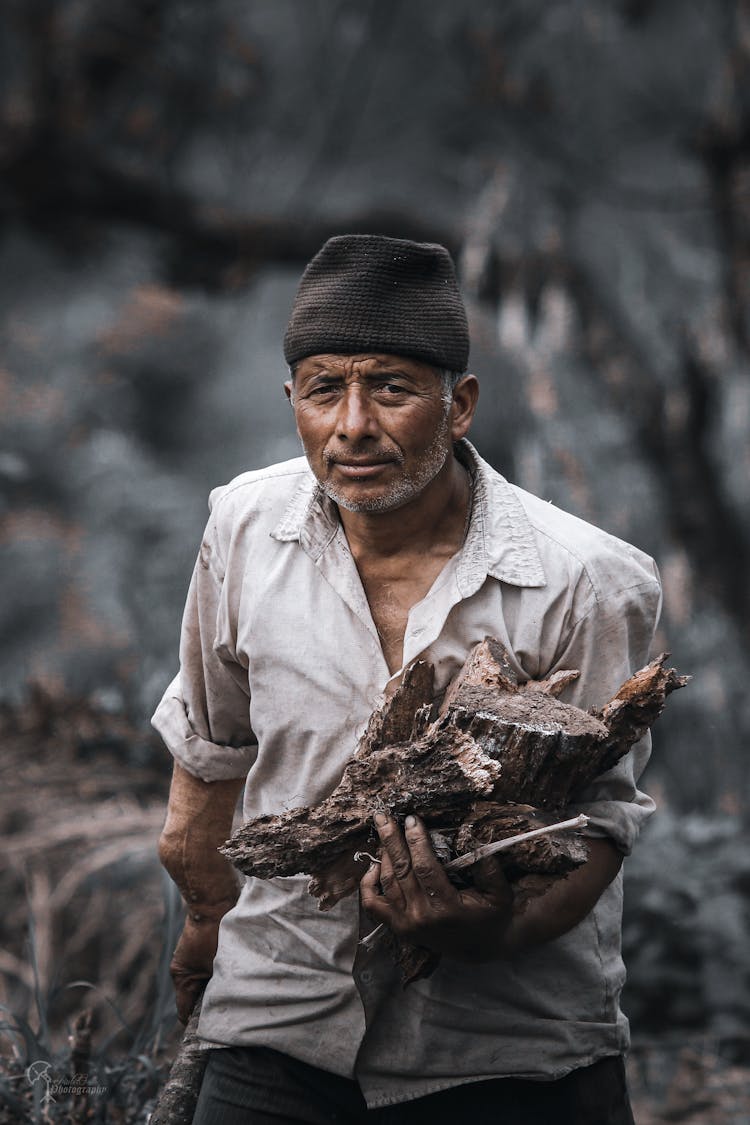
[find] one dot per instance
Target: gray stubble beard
(407, 487)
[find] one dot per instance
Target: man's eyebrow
(389, 373)
(380, 373)
(321, 373)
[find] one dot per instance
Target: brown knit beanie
(369, 293)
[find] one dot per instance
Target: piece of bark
(415, 961)
(491, 739)
(535, 739)
(487, 666)
(636, 706)
(435, 774)
(179, 1095)
(557, 854)
(542, 745)
(394, 721)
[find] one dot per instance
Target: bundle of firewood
(492, 759)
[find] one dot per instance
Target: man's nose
(357, 416)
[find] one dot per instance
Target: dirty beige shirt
(280, 668)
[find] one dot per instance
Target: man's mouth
(361, 468)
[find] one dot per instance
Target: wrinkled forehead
(366, 363)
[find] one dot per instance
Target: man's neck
(434, 521)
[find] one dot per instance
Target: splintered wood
(494, 759)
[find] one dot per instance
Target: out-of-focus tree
(167, 168)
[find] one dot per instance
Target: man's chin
(372, 501)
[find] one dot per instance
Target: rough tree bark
(492, 759)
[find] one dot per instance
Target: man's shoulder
(259, 489)
(576, 545)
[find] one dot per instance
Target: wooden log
(179, 1095)
(487, 821)
(436, 773)
(490, 739)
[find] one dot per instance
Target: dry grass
(80, 825)
(90, 918)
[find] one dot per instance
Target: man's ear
(289, 390)
(464, 405)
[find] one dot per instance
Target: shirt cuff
(621, 821)
(209, 761)
(614, 804)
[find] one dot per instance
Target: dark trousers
(259, 1086)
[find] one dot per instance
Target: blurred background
(167, 167)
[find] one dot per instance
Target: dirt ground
(688, 1082)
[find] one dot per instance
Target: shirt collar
(500, 540)
(311, 518)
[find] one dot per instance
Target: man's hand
(409, 890)
(192, 961)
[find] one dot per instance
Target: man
(318, 581)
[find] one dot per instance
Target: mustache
(364, 454)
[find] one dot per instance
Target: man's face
(376, 429)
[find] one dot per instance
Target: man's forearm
(199, 820)
(568, 900)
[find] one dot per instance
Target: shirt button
(365, 976)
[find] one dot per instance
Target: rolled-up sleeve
(607, 645)
(204, 715)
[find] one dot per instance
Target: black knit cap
(369, 293)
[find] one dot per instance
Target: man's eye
(391, 389)
(324, 390)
